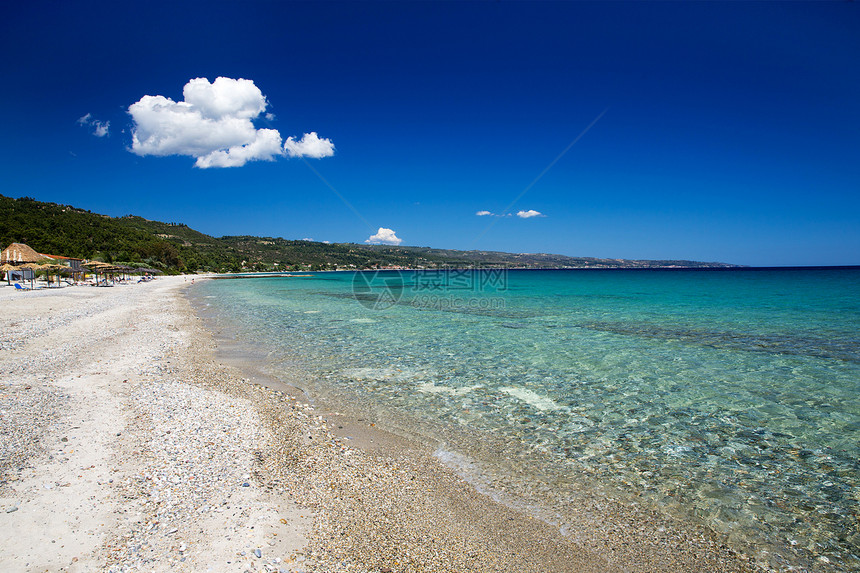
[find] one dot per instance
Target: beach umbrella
(56, 268)
(64, 270)
(91, 268)
(48, 269)
(98, 267)
(7, 268)
(113, 271)
(33, 267)
(126, 271)
(146, 270)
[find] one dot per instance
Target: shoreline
(138, 447)
(638, 539)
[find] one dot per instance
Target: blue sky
(729, 131)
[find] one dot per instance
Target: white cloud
(266, 145)
(100, 128)
(384, 237)
(213, 124)
(310, 145)
(483, 213)
(225, 98)
(529, 214)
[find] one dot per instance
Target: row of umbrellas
(6, 267)
(95, 267)
(107, 269)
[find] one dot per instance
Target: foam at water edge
(531, 398)
(431, 388)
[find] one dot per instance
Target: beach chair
(19, 287)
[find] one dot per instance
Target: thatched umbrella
(107, 269)
(48, 269)
(97, 267)
(58, 269)
(33, 267)
(89, 268)
(113, 271)
(7, 268)
(147, 271)
(126, 271)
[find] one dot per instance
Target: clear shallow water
(729, 397)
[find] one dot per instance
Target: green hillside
(65, 230)
(175, 247)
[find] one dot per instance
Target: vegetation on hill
(175, 247)
(64, 230)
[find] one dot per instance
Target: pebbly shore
(129, 445)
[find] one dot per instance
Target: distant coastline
(274, 274)
(175, 248)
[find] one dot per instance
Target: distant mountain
(175, 247)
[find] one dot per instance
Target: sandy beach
(130, 444)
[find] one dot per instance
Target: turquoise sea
(730, 398)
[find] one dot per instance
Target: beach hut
(19, 253)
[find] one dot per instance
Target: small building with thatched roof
(18, 253)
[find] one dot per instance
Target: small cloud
(310, 145)
(483, 213)
(529, 214)
(214, 124)
(310, 239)
(270, 116)
(100, 128)
(384, 237)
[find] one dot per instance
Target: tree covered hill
(64, 230)
(175, 247)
